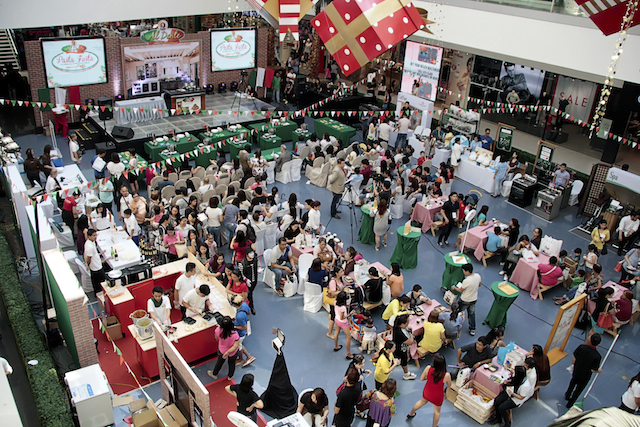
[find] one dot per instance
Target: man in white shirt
(384, 129)
(469, 289)
(124, 201)
(74, 148)
(182, 202)
(184, 284)
(196, 300)
(628, 231)
(131, 226)
(403, 129)
(93, 261)
(561, 177)
(205, 185)
(159, 307)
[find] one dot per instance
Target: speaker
(610, 152)
(106, 114)
(122, 132)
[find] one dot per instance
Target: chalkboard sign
(544, 159)
(565, 321)
(504, 138)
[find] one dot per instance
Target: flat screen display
(421, 70)
(74, 61)
(233, 49)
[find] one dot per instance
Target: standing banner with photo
(74, 61)
(233, 49)
(580, 95)
(421, 62)
(526, 81)
(460, 78)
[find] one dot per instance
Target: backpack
(251, 232)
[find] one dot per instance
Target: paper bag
(463, 377)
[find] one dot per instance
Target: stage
(192, 123)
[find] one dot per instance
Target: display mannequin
(563, 104)
(543, 101)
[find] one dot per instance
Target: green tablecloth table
(406, 251)
(268, 154)
(266, 143)
(295, 135)
(221, 136)
(283, 130)
(174, 158)
(501, 302)
(365, 235)
(182, 146)
(452, 272)
(341, 131)
(204, 159)
(125, 156)
(235, 147)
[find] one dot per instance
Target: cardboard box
(114, 328)
(147, 418)
(172, 416)
(137, 405)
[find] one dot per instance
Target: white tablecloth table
(137, 107)
(69, 178)
(417, 145)
(475, 175)
(441, 156)
(128, 251)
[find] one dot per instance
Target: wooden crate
(472, 408)
(452, 393)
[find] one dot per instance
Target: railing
(567, 7)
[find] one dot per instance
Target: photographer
(382, 188)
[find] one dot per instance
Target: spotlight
(222, 88)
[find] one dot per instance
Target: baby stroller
(472, 198)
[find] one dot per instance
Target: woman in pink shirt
(549, 273)
(170, 240)
(228, 343)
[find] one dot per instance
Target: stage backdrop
(74, 61)
(580, 95)
(421, 61)
(233, 49)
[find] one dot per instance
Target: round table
(498, 314)
(406, 251)
(365, 235)
(452, 274)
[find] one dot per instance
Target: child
(362, 318)
(131, 226)
(579, 279)
(590, 259)
(422, 158)
(133, 170)
(369, 337)
(576, 256)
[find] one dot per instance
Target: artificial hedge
(48, 392)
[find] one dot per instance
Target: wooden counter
(118, 302)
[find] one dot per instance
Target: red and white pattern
(607, 14)
(289, 14)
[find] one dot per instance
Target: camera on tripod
(244, 73)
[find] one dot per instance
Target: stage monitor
(233, 49)
(421, 62)
(74, 61)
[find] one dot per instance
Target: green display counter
(283, 130)
(266, 143)
(296, 134)
(182, 146)
(365, 235)
(501, 302)
(342, 132)
(452, 272)
(406, 251)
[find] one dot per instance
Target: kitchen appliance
(522, 191)
(548, 203)
(144, 328)
(91, 396)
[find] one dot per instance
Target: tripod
(238, 95)
(353, 194)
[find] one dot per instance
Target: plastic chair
(312, 298)
(154, 181)
(220, 190)
(85, 276)
(304, 263)
(575, 192)
(237, 175)
(168, 192)
(260, 241)
(284, 176)
(271, 172)
(269, 277)
(196, 182)
(224, 179)
(304, 152)
(235, 185)
(295, 166)
(173, 176)
(185, 175)
(249, 182)
(211, 169)
(180, 183)
(199, 173)
(270, 239)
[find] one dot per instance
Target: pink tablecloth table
(296, 251)
(619, 290)
(381, 268)
(526, 275)
(477, 238)
(424, 214)
(416, 323)
(483, 376)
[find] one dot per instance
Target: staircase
(8, 50)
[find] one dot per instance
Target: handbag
(340, 388)
(450, 297)
(181, 250)
(604, 249)
(514, 257)
(618, 267)
(605, 319)
(325, 297)
(363, 402)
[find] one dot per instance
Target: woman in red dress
(436, 377)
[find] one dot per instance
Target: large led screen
(74, 61)
(421, 66)
(233, 49)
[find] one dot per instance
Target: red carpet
(221, 403)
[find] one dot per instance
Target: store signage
(162, 34)
(233, 46)
(74, 57)
(579, 93)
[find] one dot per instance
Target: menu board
(74, 61)
(504, 139)
(565, 321)
(544, 160)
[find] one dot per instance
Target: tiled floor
(312, 363)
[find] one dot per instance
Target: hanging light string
(605, 92)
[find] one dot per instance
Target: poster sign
(544, 159)
(162, 34)
(561, 331)
(526, 81)
(421, 63)
(74, 62)
(579, 93)
(233, 49)
(459, 78)
(504, 138)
